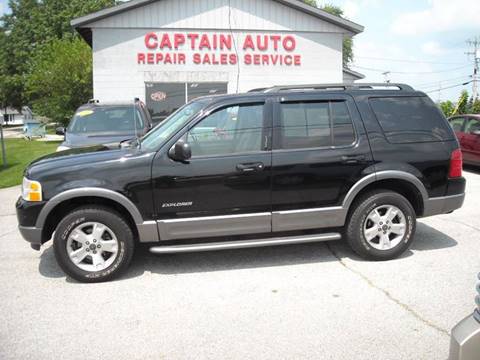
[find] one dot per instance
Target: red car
(467, 129)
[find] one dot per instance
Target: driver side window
(231, 130)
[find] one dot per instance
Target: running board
(242, 244)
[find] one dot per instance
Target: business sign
(219, 49)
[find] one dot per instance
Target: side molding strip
(210, 226)
(308, 218)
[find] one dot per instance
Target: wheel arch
(65, 202)
(402, 182)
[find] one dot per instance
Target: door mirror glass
(60, 130)
(181, 151)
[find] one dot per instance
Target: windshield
(112, 119)
(171, 125)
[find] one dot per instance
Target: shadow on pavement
(426, 239)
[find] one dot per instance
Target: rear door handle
(353, 159)
(250, 167)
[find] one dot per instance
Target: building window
(314, 124)
(163, 99)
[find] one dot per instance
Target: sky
(420, 42)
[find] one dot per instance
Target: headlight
(31, 190)
(62, 148)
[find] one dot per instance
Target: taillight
(456, 164)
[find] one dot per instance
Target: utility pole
(475, 43)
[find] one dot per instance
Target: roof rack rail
(340, 86)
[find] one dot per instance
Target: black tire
(105, 216)
(362, 208)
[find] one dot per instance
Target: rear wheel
(381, 226)
(93, 244)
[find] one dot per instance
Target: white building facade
(167, 52)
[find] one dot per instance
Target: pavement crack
(389, 296)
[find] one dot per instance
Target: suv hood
(75, 158)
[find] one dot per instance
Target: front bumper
(27, 214)
(465, 340)
(33, 235)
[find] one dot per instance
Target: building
(167, 52)
(10, 116)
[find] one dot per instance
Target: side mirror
(60, 130)
(476, 132)
(181, 151)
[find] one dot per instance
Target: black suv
(275, 166)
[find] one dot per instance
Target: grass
(20, 153)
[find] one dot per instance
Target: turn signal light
(31, 190)
(456, 164)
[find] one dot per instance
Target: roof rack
(341, 86)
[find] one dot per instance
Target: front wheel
(93, 244)
(381, 226)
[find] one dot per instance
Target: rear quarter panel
(429, 161)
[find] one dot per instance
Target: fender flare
(384, 175)
(88, 192)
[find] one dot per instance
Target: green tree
(60, 79)
(476, 107)
(447, 108)
(25, 29)
(347, 42)
(462, 104)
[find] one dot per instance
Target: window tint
(314, 124)
(473, 125)
(457, 124)
(410, 119)
(343, 133)
(233, 130)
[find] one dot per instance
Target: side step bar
(242, 244)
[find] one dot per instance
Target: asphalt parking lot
(315, 301)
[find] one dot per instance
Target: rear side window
(314, 124)
(410, 119)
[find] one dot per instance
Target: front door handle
(353, 159)
(250, 167)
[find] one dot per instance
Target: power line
(449, 87)
(441, 83)
(410, 72)
(408, 60)
(434, 83)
